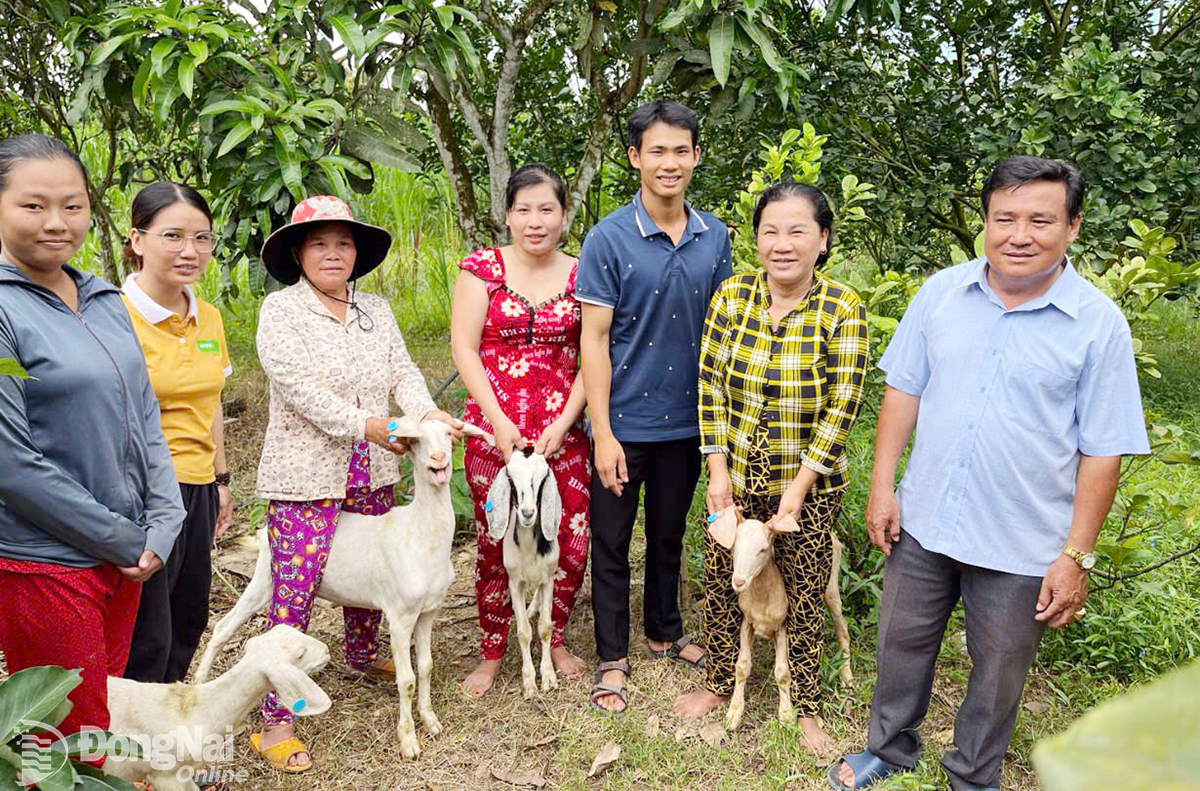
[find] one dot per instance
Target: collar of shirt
(153, 312)
(647, 227)
(811, 300)
(1062, 294)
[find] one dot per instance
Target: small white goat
(526, 489)
(398, 562)
(763, 602)
(180, 727)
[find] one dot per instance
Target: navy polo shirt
(659, 293)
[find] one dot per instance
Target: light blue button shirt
(1009, 401)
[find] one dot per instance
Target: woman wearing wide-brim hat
(332, 356)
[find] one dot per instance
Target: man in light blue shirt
(1019, 378)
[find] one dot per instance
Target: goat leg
(255, 598)
(783, 675)
(545, 629)
(402, 625)
(423, 639)
(516, 591)
(737, 703)
(833, 602)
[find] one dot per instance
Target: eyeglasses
(173, 241)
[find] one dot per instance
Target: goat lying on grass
(398, 562)
(524, 508)
(181, 726)
(763, 602)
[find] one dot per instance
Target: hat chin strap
(365, 322)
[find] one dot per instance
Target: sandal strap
(600, 688)
(615, 664)
(676, 648)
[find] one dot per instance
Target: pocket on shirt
(1041, 400)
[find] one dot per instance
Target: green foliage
(10, 367)
(31, 700)
(1147, 737)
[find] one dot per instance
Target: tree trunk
(461, 182)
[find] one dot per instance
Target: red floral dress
(531, 355)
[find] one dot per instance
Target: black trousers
(920, 589)
(669, 471)
(173, 611)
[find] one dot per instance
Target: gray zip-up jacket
(85, 473)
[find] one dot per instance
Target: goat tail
(256, 597)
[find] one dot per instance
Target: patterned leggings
(805, 560)
(300, 534)
(572, 469)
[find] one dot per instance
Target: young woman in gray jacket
(89, 505)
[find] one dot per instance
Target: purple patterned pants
(300, 534)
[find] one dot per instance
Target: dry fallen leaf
(685, 730)
(519, 778)
(608, 753)
(640, 776)
(713, 734)
(542, 742)
(653, 726)
(945, 736)
(1036, 706)
(459, 759)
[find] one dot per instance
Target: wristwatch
(1086, 560)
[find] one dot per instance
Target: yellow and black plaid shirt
(803, 380)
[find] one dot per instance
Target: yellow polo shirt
(188, 362)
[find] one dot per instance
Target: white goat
(398, 562)
(526, 489)
(181, 727)
(763, 602)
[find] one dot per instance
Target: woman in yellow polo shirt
(170, 244)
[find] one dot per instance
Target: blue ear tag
(711, 518)
(489, 507)
(299, 705)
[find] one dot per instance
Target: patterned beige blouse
(326, 380)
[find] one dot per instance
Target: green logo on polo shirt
(209, 346)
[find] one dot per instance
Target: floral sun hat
(371, 241)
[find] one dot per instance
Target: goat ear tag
(299, 706)
(489, 507)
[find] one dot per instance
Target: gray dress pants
(920, 589)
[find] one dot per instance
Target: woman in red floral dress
(515, 340)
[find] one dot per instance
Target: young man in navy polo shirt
(646, 273)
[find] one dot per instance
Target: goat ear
(405, 428)
(551, 507)
(297, 691)
(476, 431)
(723, 529)
(785, 524)
(498, 505)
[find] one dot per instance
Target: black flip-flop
(675, 650)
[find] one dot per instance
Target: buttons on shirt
(771, 391)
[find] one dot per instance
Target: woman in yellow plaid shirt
(781, 381)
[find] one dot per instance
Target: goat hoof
(409, 747)
(549, 682)
(528, 690)
(433, 725)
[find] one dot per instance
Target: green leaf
(1146, 185)
(720, 45)
(1150, 732)
(760, 38)
(31, 695)
(105, 50)
(673, 18)
(287, 153)
(158, 55)
(351, 33)
(187, 75)
(236, 135)
(229, 105)
(92, 779)
(140, 81)
(199, 50)
(370, 145)
(12, 367)
(238, 59)
(53, 773)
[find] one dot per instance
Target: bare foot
(481, 679)
(846, 775)
(567, 664)
(273, 735)
(695, 704)
(609, 701)
(815, 740)
(691, 652)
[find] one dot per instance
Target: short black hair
(150, 201)
(782, 190)
(529, 175)
(670, 113)
(1015, 171)
(26, 147)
